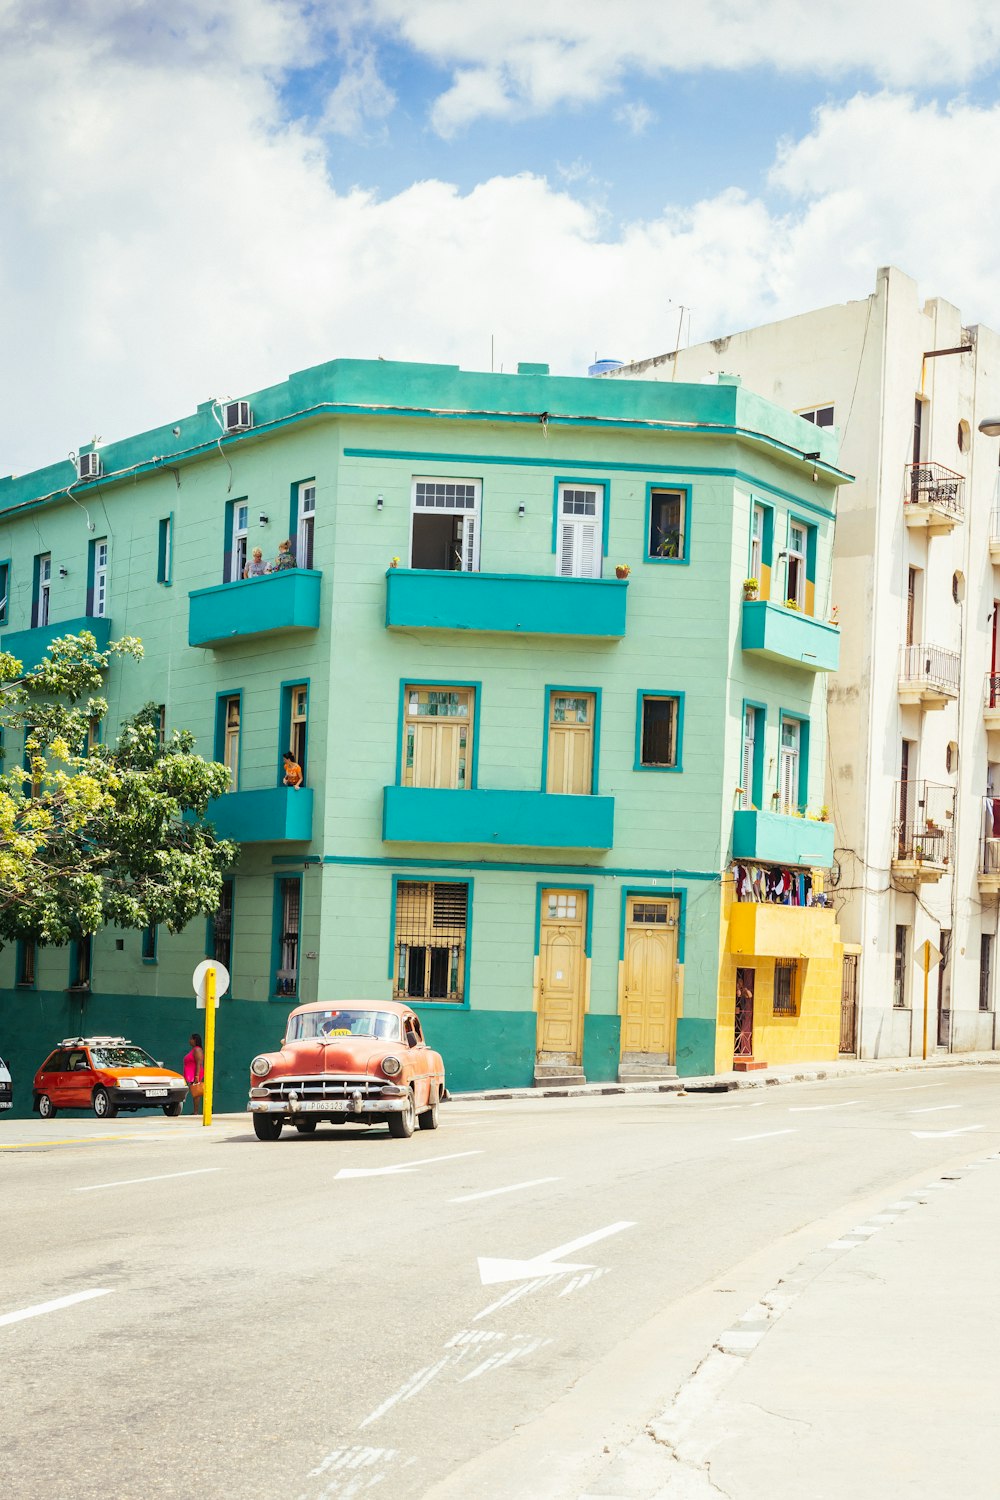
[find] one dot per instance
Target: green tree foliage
(105, 834)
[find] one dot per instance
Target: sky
(200, 197)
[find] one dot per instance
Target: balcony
(762, 930)
(270, 815)
(252, 607)
(991, 702)
(528, 820)
(989, 867)
(790, 637)
(922, 833)
(29, 646)
(518, 603)
(933, 499)
(928, 676)
(782, 839)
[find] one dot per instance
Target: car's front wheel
(172, 1109)
(402, 1125)
(267, 1127)
(104, 1106)
(46, 1108)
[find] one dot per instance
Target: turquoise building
(539, 712)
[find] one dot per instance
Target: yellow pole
(206, 1103)
(927, 970)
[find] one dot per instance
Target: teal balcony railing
(252, 607)
(521, 603)
(788, 636)
(782, 839)
(29, 646)
(270, 815)
(528, 820)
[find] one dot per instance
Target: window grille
(784, 987)
(659, 732)
(985, 970)
(222, 927)
(431, 926)
(287, 981)
(899, 970)
(437, 495)
(26, 966)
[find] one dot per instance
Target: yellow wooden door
(649, 1002)
(571, 743)
(561, 972)
(437, 737)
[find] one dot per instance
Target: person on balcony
(256, 567)
(293, 771)
(285, 558)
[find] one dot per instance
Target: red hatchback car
(354, 1062)
(105, 1074)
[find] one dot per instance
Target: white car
(6, 1087)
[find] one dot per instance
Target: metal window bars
(933, 484)
(431, 926)
(923, 827)
(991, 693)
(989, 859)
(930, 664)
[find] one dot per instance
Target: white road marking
(493, 1270)
(131, 1181)
(403, 1166)
(514, 1294)
(763, 1136)
(933, 1109)
(940, 1135)
(843, 1245)
(801, 1109)
(523, 1345)
(53, 1306)
(515, 1187)
(408, 1389)
(911, 1088)
(579, 1282)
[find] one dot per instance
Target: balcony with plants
(933, 498)
(277, 603)
(785, 633)
(922, 833)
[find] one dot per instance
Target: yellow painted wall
(811, 1036)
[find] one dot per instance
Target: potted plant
(622, 570)
(792, 604)
(751, 588)
(835, 614)
(394, 562)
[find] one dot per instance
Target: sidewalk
(847, 1067)
(869, 1371)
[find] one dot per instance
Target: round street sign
(221, 980)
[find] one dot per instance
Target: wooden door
(562, 972)
(570, 765)
(438, 735)
(649, 1001)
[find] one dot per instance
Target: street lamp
(990, 427)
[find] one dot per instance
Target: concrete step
(555, 1072)
(629, 1073)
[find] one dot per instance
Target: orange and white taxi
(105, 1074)
(357, 1062)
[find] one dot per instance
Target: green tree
(95, 834)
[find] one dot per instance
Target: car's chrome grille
(323, 1086)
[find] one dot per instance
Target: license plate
(156, 1093)
(328, 1106)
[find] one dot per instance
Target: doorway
(743, 1029)
(649, 996)
(562, 973)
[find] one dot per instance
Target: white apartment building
(914, 711)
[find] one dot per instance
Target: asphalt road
(489, 1312)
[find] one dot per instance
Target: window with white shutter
(749, 754)
(788, 769)
(581, 523)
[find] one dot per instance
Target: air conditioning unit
(89, 465)
(236, 416)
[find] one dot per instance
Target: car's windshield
(376, 1023)
(121, 1057)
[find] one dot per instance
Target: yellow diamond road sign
(928, 956)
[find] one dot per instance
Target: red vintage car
(356, 1062)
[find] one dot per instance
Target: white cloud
(515, 57)
(169, 236)
(636, 116)
(360, 99)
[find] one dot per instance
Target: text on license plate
(156, 1093)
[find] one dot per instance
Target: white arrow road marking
(130, 1181)
(403, 1166)
(515, 1187)
(802, 1109)
(763, 1135)
(493, 1270)
(939, 1135)
(53, 1306)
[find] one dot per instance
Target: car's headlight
(391, 1066)
(128, 1083)
(260, 1066)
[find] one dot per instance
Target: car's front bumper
(335, 1108)
(147, 1098)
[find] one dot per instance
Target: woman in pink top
(194, 1071)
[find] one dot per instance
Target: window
(785, 999)
(237, 526)
(789, 764)
(430, 941)
(289, 917)
(161, 725)
(445, 533)
(912, 613)
(748, 768)
(580, 530)
(667, 540)
(4, 591)
(93, 733)
(295, 709)
(304, 524)
(919, 429)
(437, 736)
(820, 416)
(757, 544)
(149, 944)
(569, 766)
(97, 588)
(985, 971)
(220, 928)
(26, 962)
(227, 736)
(899, 969)
(165, 551)
(43, 585)
(795, 588)
(81, 953)
(659, 732)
